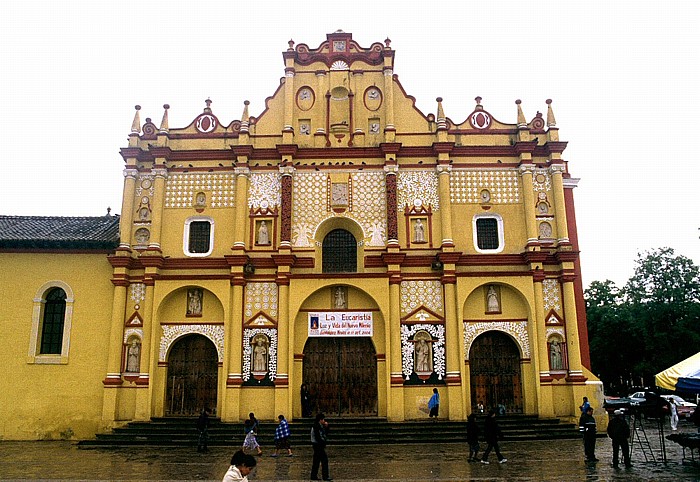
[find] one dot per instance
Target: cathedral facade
(341, 241)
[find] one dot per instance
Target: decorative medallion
(340, 65)
(306, 98)
(205, 123)
(373, 98)
(480, 120)
(339, 45)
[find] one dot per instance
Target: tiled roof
(54, 232)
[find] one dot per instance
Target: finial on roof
(441, 121)
(478, 103)
(551, 121)
(245, 118)
(207, 109)
(291, 44)
(136, 124)
(109, 210)
(164, 122)
(387, 42)
(521, 117)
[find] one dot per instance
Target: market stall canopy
(682, 377)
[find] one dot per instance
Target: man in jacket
(586, 425)
(619, 432)
(319, 439)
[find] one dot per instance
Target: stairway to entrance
(343, 431)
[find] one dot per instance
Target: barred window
(339, 252)
(52, 323)
(488, 233)
(199, 234)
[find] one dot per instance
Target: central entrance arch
(341, 374)
(192, 376)
(494, 366)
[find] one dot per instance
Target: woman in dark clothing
(473, 438)
(305, 401)
(492, 432)
(319, 439)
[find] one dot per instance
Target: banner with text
(345, 323)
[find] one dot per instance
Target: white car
(684, 409)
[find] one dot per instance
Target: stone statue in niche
(200, 199)
(340, 301)
(194, 301)
(418, 231)
(260, 352)
(493, 303)
(545, 230)
(133, 355)
(422, 362)
(263, 234)
(556, 358)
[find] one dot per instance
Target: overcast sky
(623, 77)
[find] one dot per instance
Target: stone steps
(344, 431)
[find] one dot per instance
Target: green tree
(647, 326)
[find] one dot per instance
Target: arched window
(52, 318)
(339, 252)
(53, 322)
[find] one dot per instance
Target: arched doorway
(341, 374)
(494, 365)
(192, 376)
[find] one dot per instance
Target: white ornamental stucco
(503, 186)
(261, 297)
(417, 293)
(264, 191)
(552, 295)
(220, 189)
(172, 332)
(412, 185)
(437, 332)
(516, 329)
(248, 335)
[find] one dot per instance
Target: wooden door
(192, 376)
(341, 374)
(494, 365)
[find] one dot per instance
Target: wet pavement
(527, 461)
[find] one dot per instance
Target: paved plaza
(527, 461)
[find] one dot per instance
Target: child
(241, 465)
(250, 442)
(473, 438)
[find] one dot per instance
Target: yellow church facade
(341, 241)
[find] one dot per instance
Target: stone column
(242, 175)
(113, 379)
(392, 234)
(149, 355)
(529, 201)
(126, 219)
(556, 172)
(573, 351)
(160, 174)
(445, 204)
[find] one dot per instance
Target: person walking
(674, 414)
(319, 439)
(203, 430)
(250, 429)
(434, 405)
(282, 434)
(619, 432)
(473, 438)
(586, 425)
(492, 432)
(242, 464)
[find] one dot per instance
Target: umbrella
(683, 376)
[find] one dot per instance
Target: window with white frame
(488, 233)
(51, 324)
(198, 237)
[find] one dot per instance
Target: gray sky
(623, 77)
